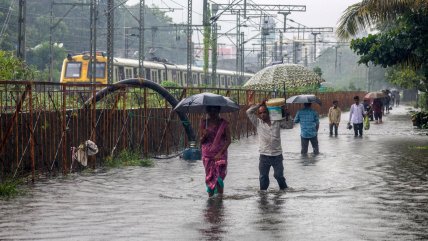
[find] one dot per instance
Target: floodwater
(369, 188)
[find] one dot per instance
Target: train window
(73, 69)
(163, 76)
(174, 75)
(136, 70)
(195, 80)
(128, 73)
(147, 72)
(100, 70)
(159, 76)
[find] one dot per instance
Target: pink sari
(215, 171)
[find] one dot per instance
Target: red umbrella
(374, 95)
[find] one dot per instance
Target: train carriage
(75, 69)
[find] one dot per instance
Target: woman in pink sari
(215, 139)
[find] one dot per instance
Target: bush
(420, 119)
(8, 189)
(128, 158)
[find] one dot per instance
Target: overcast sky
(319, 13)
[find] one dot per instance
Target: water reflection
(214, 219)
(270, 206)
(310, 159)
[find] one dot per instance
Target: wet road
(370, 188)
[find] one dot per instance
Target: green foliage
(168, 83)
(11, 68)
(402, 45)
(317, 70)
(207, 45)
(405, 77)
(420, 119)
(39, 57)
(128, 158)
(8, 188)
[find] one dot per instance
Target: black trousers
(358, 129)
(265, 162)
(334, 125)
(305, 144)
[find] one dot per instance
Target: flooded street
(369, 188)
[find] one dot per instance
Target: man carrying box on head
(269, 143)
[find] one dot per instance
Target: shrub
(128, 158)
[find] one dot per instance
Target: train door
(147, 71)
(121, 73)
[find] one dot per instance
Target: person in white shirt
(269, 144)
(356, 116)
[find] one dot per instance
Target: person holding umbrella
(214, 135)
(309, 125)
(215, 140)
(269, 144)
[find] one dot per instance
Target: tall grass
(8, 188)
(128, 158)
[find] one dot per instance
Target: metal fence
(40, 122)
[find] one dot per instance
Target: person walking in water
(269, 144)
(334, 114)
(309, 125)
(377, 110)
(215, 140)
(356, 116)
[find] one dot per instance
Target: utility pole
(20, 51)
(110, 40)
(315, 44)
(255, 10)
(93, 40)
(189, 43)
(214, 55)
(313, 31)
(238, 51)
(206, 46)
(52, 27)
(141, 52)
(242, 58)
(281, 39)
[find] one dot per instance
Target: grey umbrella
(303, 99)
(198, 103)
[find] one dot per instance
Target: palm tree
(367, 13)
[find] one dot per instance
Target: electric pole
(20, 51)
(189, 43)
(315, 44)
(110, 40)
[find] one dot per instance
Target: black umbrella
(198, 103)
(303, 99)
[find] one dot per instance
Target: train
(75, 69)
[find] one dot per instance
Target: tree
(400, 44)
(368, 13)
(12, 68)
(403, 46)
(317, 70)
(39, 58)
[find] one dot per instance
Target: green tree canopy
(11, 68)
(404, 45)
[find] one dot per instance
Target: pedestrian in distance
(269, 143)
(309, 125)
(378, 110)
(397, 98)
(334, 114)
(215, 140)
(356, 116)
